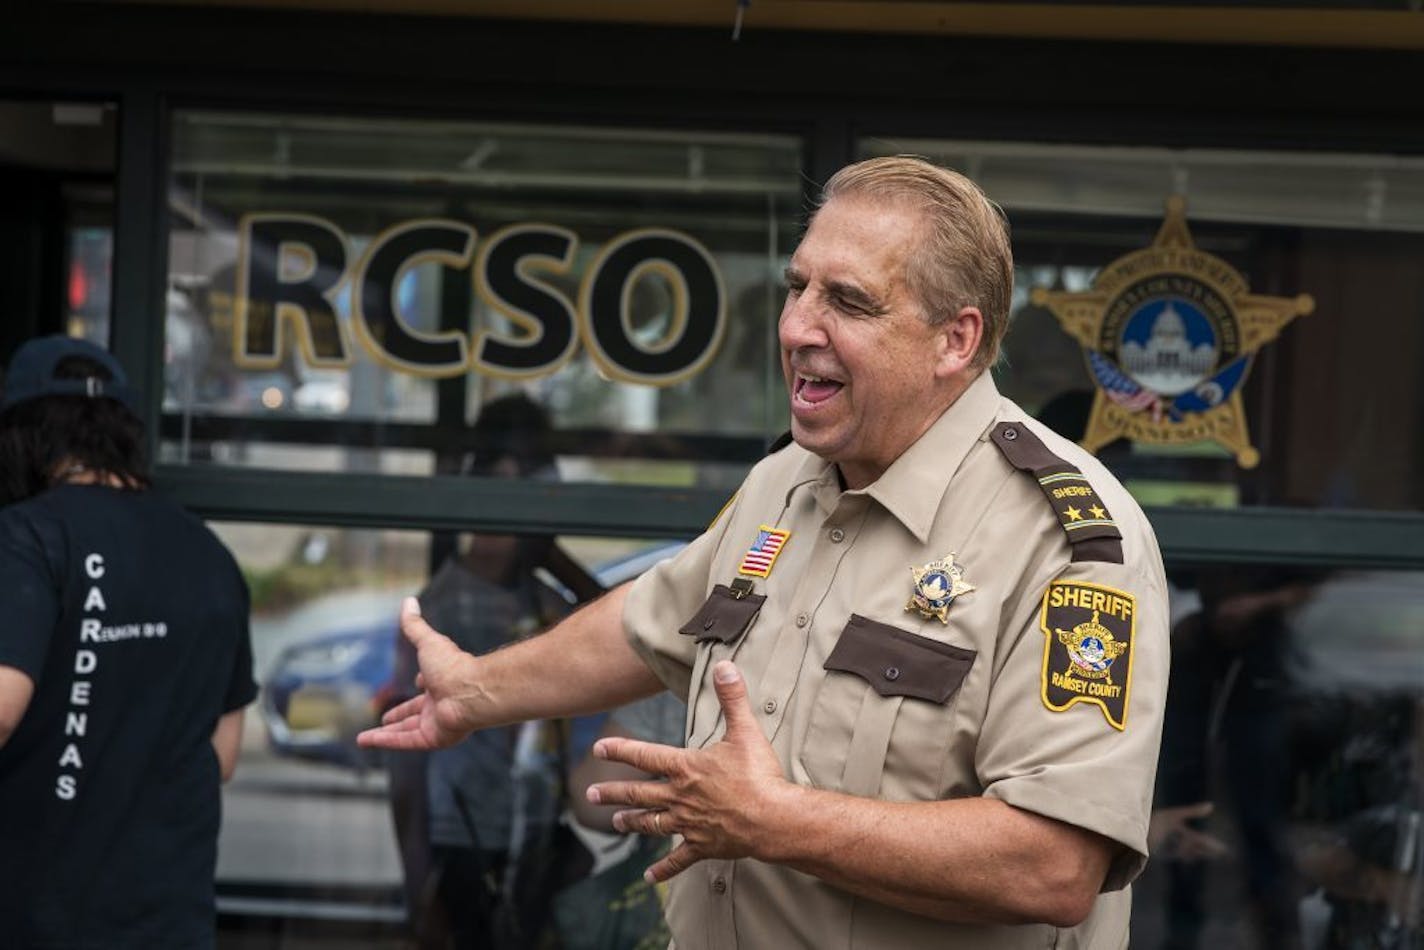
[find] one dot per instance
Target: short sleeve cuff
(1107, 820)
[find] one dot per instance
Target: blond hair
(965, 259)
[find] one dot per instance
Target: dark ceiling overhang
(1364, 24)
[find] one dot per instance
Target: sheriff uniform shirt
(1041, 686)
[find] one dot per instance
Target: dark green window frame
(1337, 538)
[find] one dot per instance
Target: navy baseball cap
(32, 373)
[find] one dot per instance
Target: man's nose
(802, 323)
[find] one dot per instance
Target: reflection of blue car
(324, 690)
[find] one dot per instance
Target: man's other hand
(436, 718)
(712, 797)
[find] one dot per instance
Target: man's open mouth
(813, 390)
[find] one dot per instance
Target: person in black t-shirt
(125, 663)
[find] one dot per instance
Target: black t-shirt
(132, 620)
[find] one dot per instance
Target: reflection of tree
(735, 390)
(1039, 359)
(579, 396)
(217, 378)
(729, 393)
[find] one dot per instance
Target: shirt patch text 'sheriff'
(1087, 650)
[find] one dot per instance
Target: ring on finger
(658, 822)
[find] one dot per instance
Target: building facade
(324, 237)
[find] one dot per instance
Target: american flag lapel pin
(762, 554)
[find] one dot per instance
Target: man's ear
(958, 339)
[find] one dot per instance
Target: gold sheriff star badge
(936, 586)
(1169, 333)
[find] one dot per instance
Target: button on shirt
(912, 709)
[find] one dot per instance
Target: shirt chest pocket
(724, 617)
(719, 627)
(883, 710)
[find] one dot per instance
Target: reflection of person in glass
(125, 663)
(1228, 705)
(491, 859)
(868, 772)
(456, 809)
(1364, 803)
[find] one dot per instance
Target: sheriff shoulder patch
(1087, 649)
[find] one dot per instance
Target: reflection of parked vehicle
(324, 690)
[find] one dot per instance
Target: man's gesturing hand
(713, 797)
(434, 719)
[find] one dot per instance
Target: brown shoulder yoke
(1090, 529)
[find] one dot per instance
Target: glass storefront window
(1288, 801)
(1331, 405)
(332, 843)
(307, 829)
(1344, 190)
(56, 218)
(373, 284)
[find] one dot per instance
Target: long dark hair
(99, 433)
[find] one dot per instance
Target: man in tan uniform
(946, 625)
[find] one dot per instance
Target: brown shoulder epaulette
(1090, 529)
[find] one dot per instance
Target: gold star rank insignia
(1074, 514)
(1168, 334)
(936, 586)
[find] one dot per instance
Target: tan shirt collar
(914, 484)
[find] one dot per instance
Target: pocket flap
(896, 662)
(724, 616)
